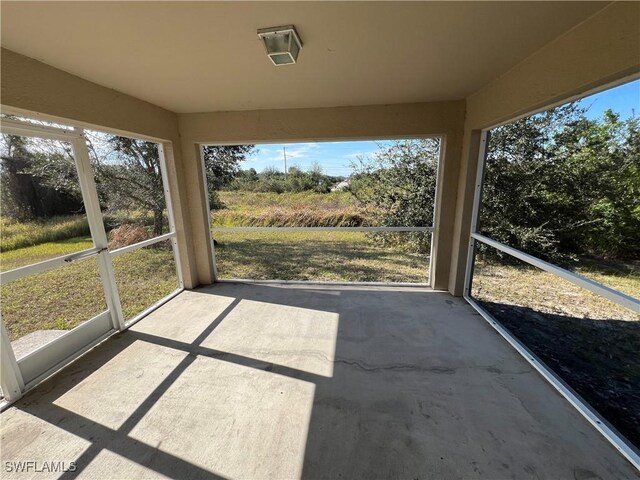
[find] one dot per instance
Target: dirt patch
(597, 358)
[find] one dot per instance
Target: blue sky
(335, 157)
(624, 100)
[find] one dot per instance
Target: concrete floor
(273, 381)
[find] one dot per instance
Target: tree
(273, 180)
(320, 182)
(515, 204)
(222, 166)
(130, 178)
(39, 178)
(600, 163)
(397, 187)
(222, 163)
(129, 174)
(559, 185)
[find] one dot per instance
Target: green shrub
(559, 185)
(397, 188)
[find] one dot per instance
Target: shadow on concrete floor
(268, 381)
(598, 359)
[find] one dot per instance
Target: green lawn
(44, 251)
(320, 256)
(538, 290)
(62, 298)
(144, 277)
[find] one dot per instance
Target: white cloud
(297, 150)
(357, 155)
(301, 150)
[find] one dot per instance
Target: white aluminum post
(436, 205)
(10, 376)
(475, 211)
(172, 225)
(206, 202)
(94, 217)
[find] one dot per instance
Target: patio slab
(259, 381)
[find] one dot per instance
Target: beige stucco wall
(600, 51)
(317, 124)
(35, 86)
(32, 86)
(340, 123)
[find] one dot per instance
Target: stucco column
(195, 192)
(471, 144)
(445, 209)
(181, 212)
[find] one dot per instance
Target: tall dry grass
(279, 217)
(239, 200)
(304, 209)
(14, 235)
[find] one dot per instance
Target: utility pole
(284, 150)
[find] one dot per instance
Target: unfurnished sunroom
(159, 366)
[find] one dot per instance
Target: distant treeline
(295, 180)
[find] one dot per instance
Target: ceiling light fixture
(281, 43)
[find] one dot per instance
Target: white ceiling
(205, 56)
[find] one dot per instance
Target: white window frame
(19, 376)
(627, 301)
